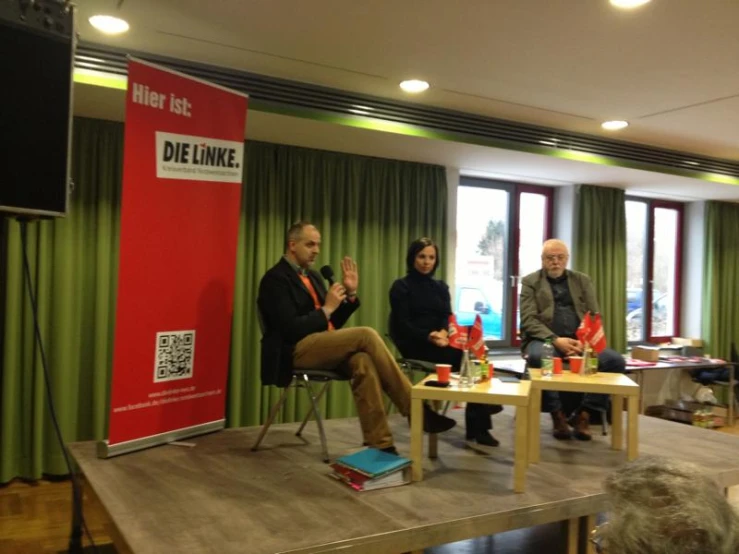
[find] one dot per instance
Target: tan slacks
(362, 355)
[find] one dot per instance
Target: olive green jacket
(537, 303)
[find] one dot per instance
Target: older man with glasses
(553, 302)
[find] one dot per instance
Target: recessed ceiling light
(614, 125)
(108, 24)
(629, 4)
(414, 85)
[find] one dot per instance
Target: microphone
(328, 274)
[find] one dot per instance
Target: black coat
(419, 304)
(289, 315)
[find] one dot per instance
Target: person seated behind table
(660, 505)
(553, 301)
(420, 309)
(303, 330)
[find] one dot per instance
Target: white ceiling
(669, 68)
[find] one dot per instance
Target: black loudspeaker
(37, 41)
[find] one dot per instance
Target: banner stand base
(106, 450)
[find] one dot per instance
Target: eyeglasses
(555, 257)
(598, 537)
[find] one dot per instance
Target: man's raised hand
(349, 275)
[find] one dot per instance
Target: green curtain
(73, 262)
(720, 277)
(600, 252)
(365, 207)
(368, 208)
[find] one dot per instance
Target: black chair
(305, 379)
(409, 365)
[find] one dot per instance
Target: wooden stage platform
(219, 496)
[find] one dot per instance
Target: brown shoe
(561, 430)
(581, 425)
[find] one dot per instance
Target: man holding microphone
(303, 329)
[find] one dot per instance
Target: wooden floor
(35, 518)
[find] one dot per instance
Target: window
(653, 231)
(500, 229)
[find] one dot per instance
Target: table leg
(640, 382)
(438, 406)
(417, 438)
(589, 526)
(573, 535)
(617, 422)
(534, 425)
(520, 458)
(632, 443)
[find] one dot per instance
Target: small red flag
(597, 338)
(477, 342)
(583, 331)
(457, 334)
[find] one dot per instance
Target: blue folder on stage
(371, 469)
(373, 462)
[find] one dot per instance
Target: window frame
(515, 275)
(652, 205)
(510, 301)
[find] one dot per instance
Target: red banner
(182, 173)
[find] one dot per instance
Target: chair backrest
(409, 363)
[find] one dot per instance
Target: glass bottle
(586, 355)
(547, 358)
(483, 370)
(592, 361)
(466, 378)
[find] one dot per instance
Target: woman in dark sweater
(420, 309)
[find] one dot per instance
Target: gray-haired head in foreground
(662, 506)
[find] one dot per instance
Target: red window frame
(548, 193)
(653, 205)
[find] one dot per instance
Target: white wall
(691, 301)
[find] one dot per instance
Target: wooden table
(615, 384)
(639, 371)
(489, 392)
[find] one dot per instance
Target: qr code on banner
(175, 355)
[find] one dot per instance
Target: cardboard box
(646, 353)
(682, 341)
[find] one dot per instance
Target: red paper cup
(575, 364)
(557, 365)
(443, 371)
